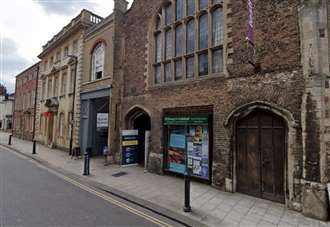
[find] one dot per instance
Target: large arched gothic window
(188, 38)
(98, 61)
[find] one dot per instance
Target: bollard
(87, 161)
(34, 147)
(187, 207)
(9, 141)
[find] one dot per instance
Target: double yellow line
(113, 201)
(100, 195)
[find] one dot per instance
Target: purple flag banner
(250, 32)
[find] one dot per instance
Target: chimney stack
(121, 5)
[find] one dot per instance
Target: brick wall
(27, 85)
(279, 82)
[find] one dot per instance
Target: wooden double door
(260, 155)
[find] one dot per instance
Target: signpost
(130, 150)
(187, 207)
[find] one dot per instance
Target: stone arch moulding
(133, 112)
(246, 109)
(96, 43)
(291, 147)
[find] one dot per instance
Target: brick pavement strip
(224, 205)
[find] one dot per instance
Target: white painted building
(6, 112)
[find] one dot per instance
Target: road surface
(33, 196)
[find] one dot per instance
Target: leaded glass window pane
(203, 4)
(191, 36)
(168, 72)
(203, 64)
(178, 40)
(190, 7)
(179, 9)
(158, 47)
(168, 44)
(217, 61)
(178, 70)
(217, 27)
(158, 76)
(168, 14)
(203, 32)
(158, 23)
(190, 67)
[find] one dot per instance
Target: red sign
(47, 114)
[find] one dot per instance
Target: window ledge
(95, 81)
(214, 76)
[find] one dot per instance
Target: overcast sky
(26, 25)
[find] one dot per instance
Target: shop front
(187, 145)
(94, 130)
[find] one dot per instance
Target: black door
(260, 156)
(142, 124)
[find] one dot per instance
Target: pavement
(165, 194)
(33, 196)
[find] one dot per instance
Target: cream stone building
(61, 68)
(95, 90)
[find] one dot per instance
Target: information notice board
(188, 145)
(129, 145)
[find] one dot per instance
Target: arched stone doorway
(260, 155)
(139, 119)
(287, 123)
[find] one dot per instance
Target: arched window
(98, 61)
(188, 43)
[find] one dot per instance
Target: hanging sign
(250, 32)
(129, 145)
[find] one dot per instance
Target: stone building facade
(6, 111)
(61, 72)
(254, 118)
(95, 89)
(24, 109)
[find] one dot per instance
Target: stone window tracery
(188, 40)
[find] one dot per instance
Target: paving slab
(210, 206)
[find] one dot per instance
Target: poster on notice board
(198, 151)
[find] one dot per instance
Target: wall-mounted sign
(189, 120)
(129, 149)
(102, 120)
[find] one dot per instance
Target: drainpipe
(35, 112)
(73, 101)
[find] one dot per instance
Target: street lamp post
(35, 113)
(73, 102)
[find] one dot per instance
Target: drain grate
(119, 174)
